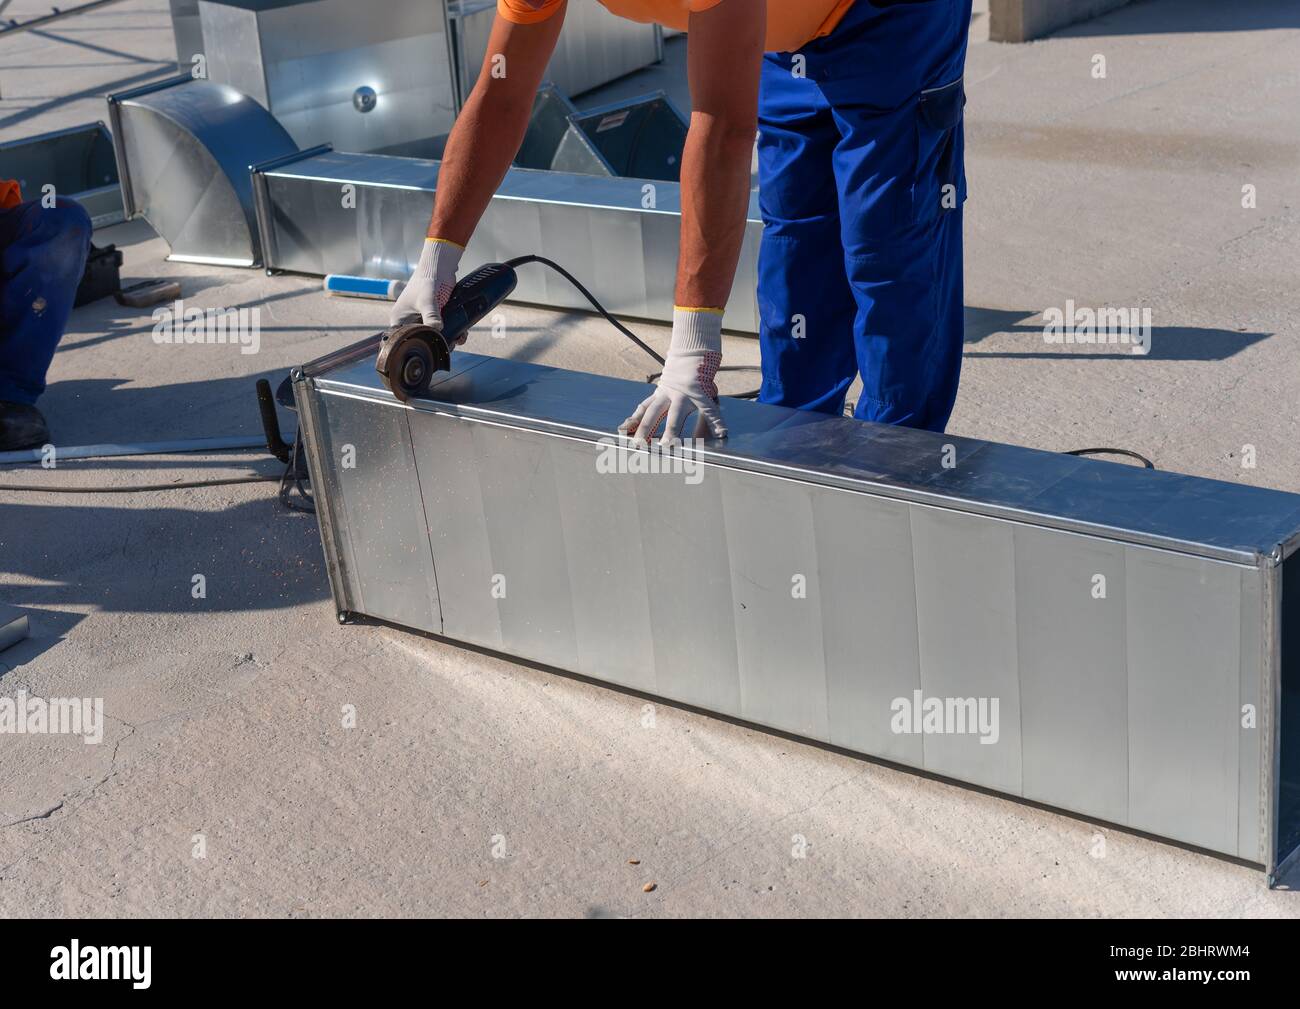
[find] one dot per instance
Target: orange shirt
(790, 23)
(10, 194)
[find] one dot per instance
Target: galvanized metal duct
(366, 215)
(640, 138)
(596, 47)
(183, 150)
(547, 126)
(187, 30)
(362, 77)
(1139, 630)
(78, 162)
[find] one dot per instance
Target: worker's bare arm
(724, 56)
(492, 124)
(724, 53)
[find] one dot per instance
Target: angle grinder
(410, 354)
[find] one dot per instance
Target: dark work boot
(21, 426)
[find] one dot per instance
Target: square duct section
(78, 162)
(641, 138)
(1114, 642)
(357, 76)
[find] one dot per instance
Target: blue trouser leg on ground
(861, 185)
(42, 255)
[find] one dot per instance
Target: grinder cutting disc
(409, 355)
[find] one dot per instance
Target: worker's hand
(430, 285)
(687, 383)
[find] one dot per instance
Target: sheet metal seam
(316, 471)
(1271, 749)
(424, 520)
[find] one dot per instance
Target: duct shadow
(99, 411)
(252, 555)
(1168, 343)
(139, 553)
(48, 628)
(1163, 17)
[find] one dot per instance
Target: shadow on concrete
(59, 35)
(89, 318)
(253, 555)
(121, 84)
(49, 627)
(1151, 17)
(138, 553)
(100, 411)
(1168, 343)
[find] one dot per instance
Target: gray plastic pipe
(139, 448)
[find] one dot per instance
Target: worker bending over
(858, 109)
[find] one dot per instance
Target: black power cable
(292, 480)
(522, 260)
(224, 482)
(1114, 451)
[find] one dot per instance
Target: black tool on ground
(275, 444)
(101, 276)
(412, 353)
(147, 293)
(295, 475)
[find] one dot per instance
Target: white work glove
(686, 384)
(430, 285)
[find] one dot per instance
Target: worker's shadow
(1166, 343)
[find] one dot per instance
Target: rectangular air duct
(362, 77)
(187, 30)
(1138, 630)
(78, 162)
(619, 235)
(639, 138)
(594, 48)
(547, 126)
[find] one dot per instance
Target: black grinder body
(410, 354)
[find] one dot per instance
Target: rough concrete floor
(225, 713)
